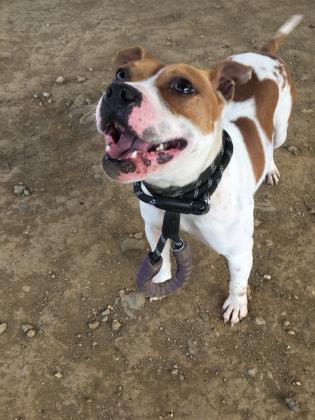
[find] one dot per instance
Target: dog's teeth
(160, 148)
(134, 154)
(107, 148)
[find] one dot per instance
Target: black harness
(189, 199)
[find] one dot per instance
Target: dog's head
(159, 121)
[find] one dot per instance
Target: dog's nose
(122, 94)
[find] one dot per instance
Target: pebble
(291, 404)
(257, 222)
(81, 79)
(293, 150)
(106, 312)
(58, 375)
(3, 327)
(91, 69)
(94, 325)
(46, 94)
(251, 372)
(19, 189)
(286, 323)
(135, 300)
(267, 276)
(29, 330)
(116, 325)
(192, 347)
(260, 321)
(60, 80)
(291, 332)
(204, 316)
(132, 244)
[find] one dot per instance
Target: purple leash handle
(149, 269)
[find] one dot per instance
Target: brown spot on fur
(266, 94)
(253, 144)
(201, 108)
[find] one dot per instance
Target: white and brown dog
(164, 123)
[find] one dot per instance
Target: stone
(46, 94)
(60, 80)
(135, 300)
(116, 325)
(204, 316)
(267, 276)
(251, 372)
(291, 404)
(192, 347)
(19, 189)
(27, 327)
(3, 327)
(58, 375)
(286, 323)
(293, 150)
(132, 244)
(106, 312)
(94, 325)
(138, 235)
(291, 332)
(81, 79)
(31, 333)
(260, 321)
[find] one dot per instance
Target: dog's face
(159, 121)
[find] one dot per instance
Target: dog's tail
(273, 44)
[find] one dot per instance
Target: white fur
(288, 26)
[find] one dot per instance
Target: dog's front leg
(153, 234)
(240, 265)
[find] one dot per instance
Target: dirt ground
(61, 263)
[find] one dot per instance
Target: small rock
(3, 327)
(293, 150)
(307, 110)
(135, 300)
(174, 372)
(106, 312)
(26, 192)
(132, 244)
(257, 222)
(267, 276)
(260, 321)
(251, 372)
(138, 235)
(27, 327)
(91, 69)
(105, 319)
(58, 375)
(81, 79)
(19, 189)
(291, 404)
(192, 347)
(31, 333)
(286, 323)
(60, 80)
(46, 94)
(291, 332)
(204, 316)
(94, 325)
(116, 325)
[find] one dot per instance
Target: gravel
(293, 150)
(29, 330)
(291, 404)
(60, 80)
(94, 325)
(21, 189)
(204, 316)
(116, 325)
(260, 321)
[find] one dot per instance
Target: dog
(163, 124)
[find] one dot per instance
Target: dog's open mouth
(123, 144)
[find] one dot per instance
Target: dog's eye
(183, 86)
(121, 74)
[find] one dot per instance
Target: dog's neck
(185, 172)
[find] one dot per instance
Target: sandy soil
(61, 263)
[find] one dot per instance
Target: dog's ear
(128, 55)
(226, 74)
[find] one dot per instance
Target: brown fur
(266, 94)
(202, 108)
(253, 144)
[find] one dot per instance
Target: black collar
(194, 197)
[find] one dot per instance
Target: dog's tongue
(125, 146)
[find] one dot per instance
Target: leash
(189, 199)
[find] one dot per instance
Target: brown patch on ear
(128, 55)
(253, 144)
(227, 74)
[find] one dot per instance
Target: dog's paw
(235, 308)
(273, 175)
